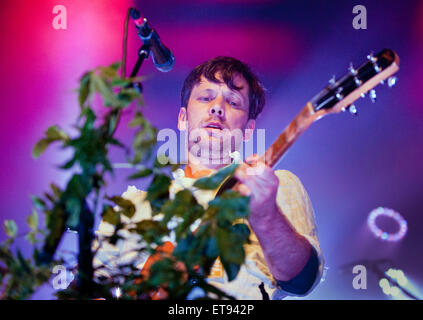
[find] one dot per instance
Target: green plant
(220, 232)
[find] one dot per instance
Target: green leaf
(40, 147)
(161, 161)
(190, 213)
(116, 142)
(73, 208)
(113, 122)
(145, 138)
(23, 262)
(164, 272)
(110, 71)
(10, 228)
(79, 186)
(127, 95)
(175, 166)
(232, 269)
(214, 181)
(182, 203)
(119, 82)
(230, 247)
(69, 164)
(111, 216)
(54, 133)
(183, 246)
(128, 208)
(159, 187)
(211, 249)
(141, 174)
(242, 231)
(56, 190)
(38, 203)
(90, 117)
(49, 197)
(84, 89)
(138, 120)
(115, 65)
(230, 206)
(31, 237)
(32, 220)
(106, 92)
(151, 230)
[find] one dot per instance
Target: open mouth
(214, 129)
(214, 125)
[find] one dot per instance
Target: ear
(249, 129)
(182, 119)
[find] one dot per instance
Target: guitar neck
(291, 133)
(336, 97)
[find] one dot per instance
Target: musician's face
(215, 113)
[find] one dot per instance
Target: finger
(252, 159)
(243, 189)
(253, 188)
(240, 172)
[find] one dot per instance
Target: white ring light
(381, 234)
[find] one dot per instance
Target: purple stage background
(349, 165)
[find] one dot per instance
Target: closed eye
(233, 103)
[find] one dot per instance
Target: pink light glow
(196, 43)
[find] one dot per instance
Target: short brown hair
(227, 67)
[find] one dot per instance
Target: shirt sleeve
(295, 204)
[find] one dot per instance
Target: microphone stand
(85, 226)
(143, 53)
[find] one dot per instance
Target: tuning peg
(352, 70)
(382, 82)
(332, 80)
(392, 81)
(373, 60)
(371, 57)
(372, 95)
(363, 95)
(339, 95)
(352, 109)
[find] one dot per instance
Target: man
(220, 97)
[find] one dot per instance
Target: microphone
(163, 58)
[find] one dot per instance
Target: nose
(217, 109)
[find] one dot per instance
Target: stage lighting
(381, 234)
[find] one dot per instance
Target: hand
(260, 182)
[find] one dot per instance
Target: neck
(198, 167)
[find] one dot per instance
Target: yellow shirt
(293, 201)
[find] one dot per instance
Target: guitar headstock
(341, 94)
